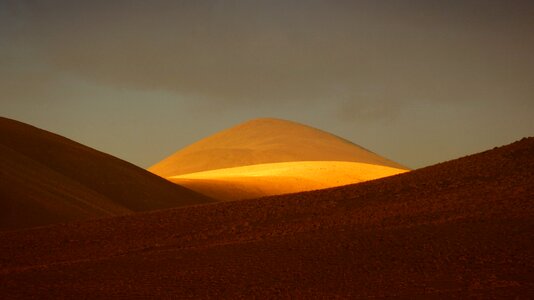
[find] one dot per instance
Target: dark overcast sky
(417, 81)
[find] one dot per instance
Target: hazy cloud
(366, 62)
(242, 52)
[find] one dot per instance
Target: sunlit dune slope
(457, 230)
(46, 178)
(279, 178)
(265, 141)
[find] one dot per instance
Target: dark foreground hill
(46, 178)
(459, 229)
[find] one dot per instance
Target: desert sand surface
(459, 229)
(261, 141)
(262, 180)
(46, 178)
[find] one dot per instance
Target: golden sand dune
(263, 141)
(280, 178)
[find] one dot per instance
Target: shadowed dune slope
(46, 178)
(263, 141)
(261, 180)
(460, 229)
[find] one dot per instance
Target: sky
(419, 82)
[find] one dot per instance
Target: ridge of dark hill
(265, 140)
(460, 229)
(46, 178)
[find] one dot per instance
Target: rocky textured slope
(457, 229)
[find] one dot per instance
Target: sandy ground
(460, 229)
(280, 178)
